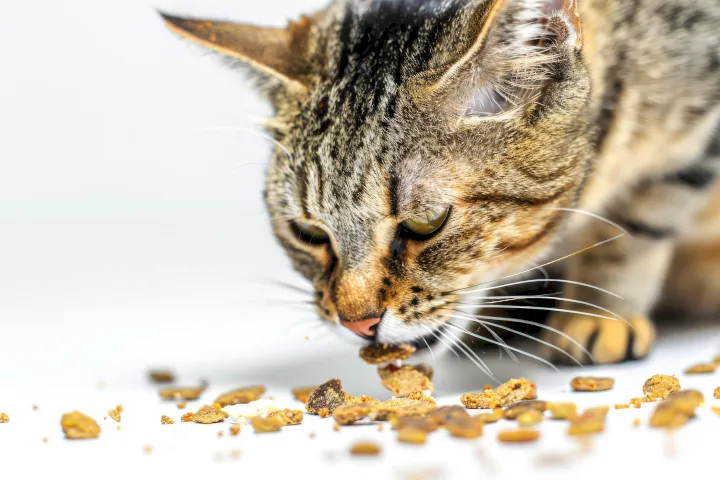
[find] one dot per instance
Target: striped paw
(607, 341)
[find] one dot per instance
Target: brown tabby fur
(614, 110)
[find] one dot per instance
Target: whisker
(289, 286)
(562, 310)
(563, 299)
(432, 355)
(542, 360)
(522, 334)
(465, 349)
(441, 341)
(535, 280)
(590, 214)
(248, 130)
(503, 299)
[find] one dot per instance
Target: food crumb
(235, 454)
(45, 439)
(365, 448)
(636, 422)
(590, 421)
(188, 417)
(119, 427)
(241, 396)
(349, 414)
(465, 427)
(35, 407)
(312, 435)
(621, 406)
(592, 384)
(717, 393)
(181, 405)
(529, 418)
(115, 413)
(412, 435)
(307, 338)
(336, 427)
(716, 410)
(148, 449)
(77, 426)
(4, 418)
(324, 413)
(220, 434)
(515, 390)
(268, 424)
(701, 368)
(162, 376)
(518, 436)
(234, 430)
(379, 353)
(208, 414)
(165, 420)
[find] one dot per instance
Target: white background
(133, 234)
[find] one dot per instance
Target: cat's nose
(362, 327)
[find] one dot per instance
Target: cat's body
(431, 146)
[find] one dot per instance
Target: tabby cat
(430, 150)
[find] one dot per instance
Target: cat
(429, 151)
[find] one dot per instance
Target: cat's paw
(608, 341)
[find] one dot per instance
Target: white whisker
(465, 349)
(442, 341)
(432, 355)
(560, 299)
(248, 130)
(558, 280)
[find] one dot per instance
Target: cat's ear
(278, 55)
(500, 35)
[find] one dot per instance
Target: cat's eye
(310, 232)
(428, 224)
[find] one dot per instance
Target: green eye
(428, 224)
(310, 232)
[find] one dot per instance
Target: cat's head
(423, 147)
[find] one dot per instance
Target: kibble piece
(530, 418)
(241, 396)
(666, 415)
(515, 390)
(234, 430)
(590, 421)
(444, 414)
(591, 384)
(636, 422)
(115, 413)
(701, 368)
(165, 420)
(406, 381)
(292, 417)
(183, 393)
(76, 426)
(380, 353)
(518, 436)
(302, 393)
(182, 404)
(365, 448)
(716, 360)
(413, 423)
(491, 417)
(208, 414)
(162, 376)
(621, 406)
(353, 400)
(271, 423)
(716, 393)
(715, 409)
(348, 414)
(412, 406)
(660, 386)
(412, 435)
(562, 411)
(470, 427)
(327, 396)
(188, 417)
(511, 412)
(4, 418)
(688, 400)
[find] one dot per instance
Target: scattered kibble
(591, 384)
(658, 387)
(518, 436)
(701, 368)
(77, 426)
(365, 448)
(4, 418)
(165, 420)
(115, 413)
(234, 430)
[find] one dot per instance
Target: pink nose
(363, 327)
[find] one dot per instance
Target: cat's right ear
(278, 55)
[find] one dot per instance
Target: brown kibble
(701, 368)
(488, 417)
(234, 430)
(590, 421)
(327, 396)
(515, 390)
(165, 420)
(380, 353)
(716, 393)
(412, 406)
(188, 417)
(77, 426)
(208, 414)
(4, 418)
(444, 414)
(687, 399)
(336, 427)
(302, 393)
(416, 423)
(241, 395)
(518, 436)
(621, 406)
(115, 413)
(666, 415)
(660, 386)
(530, 418)
(591, 384)
(162, 376)
(715, 409)
(511, 412)
(292, 417)
(412, 435)
(469, 427)
(365, 448)
(183, 393)
(406, 381)
(182, 404)
(562, 411)
(348, 414)
(268, 424)
(353, 400)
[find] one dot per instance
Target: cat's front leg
(614, 329)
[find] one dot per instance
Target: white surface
(132, 234)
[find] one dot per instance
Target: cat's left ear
(278, 55)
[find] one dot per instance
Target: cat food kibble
(348, 414)
(291, 417)
(406, 381)
(115, 413)
(241, 396)
(562, 411)
(658, 387)
(4, 417)
(234, 430)
(327, 396)
(717, 393)
(271, 423)
(208, 414)
(515, 390)
(365, 448)
(184, 393)
(188, 417)
(444, 414)
(353, 400)
(591, 384)
(530, 418)
(165, 420)
(590, 421)
(302, 393)
(701, 368)
(418, 423)
(518, 436)
(77, 426)
(379, 353)
(468, 427)
(415, 405)
(162, 376)
(511, 412)
(412, 435)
